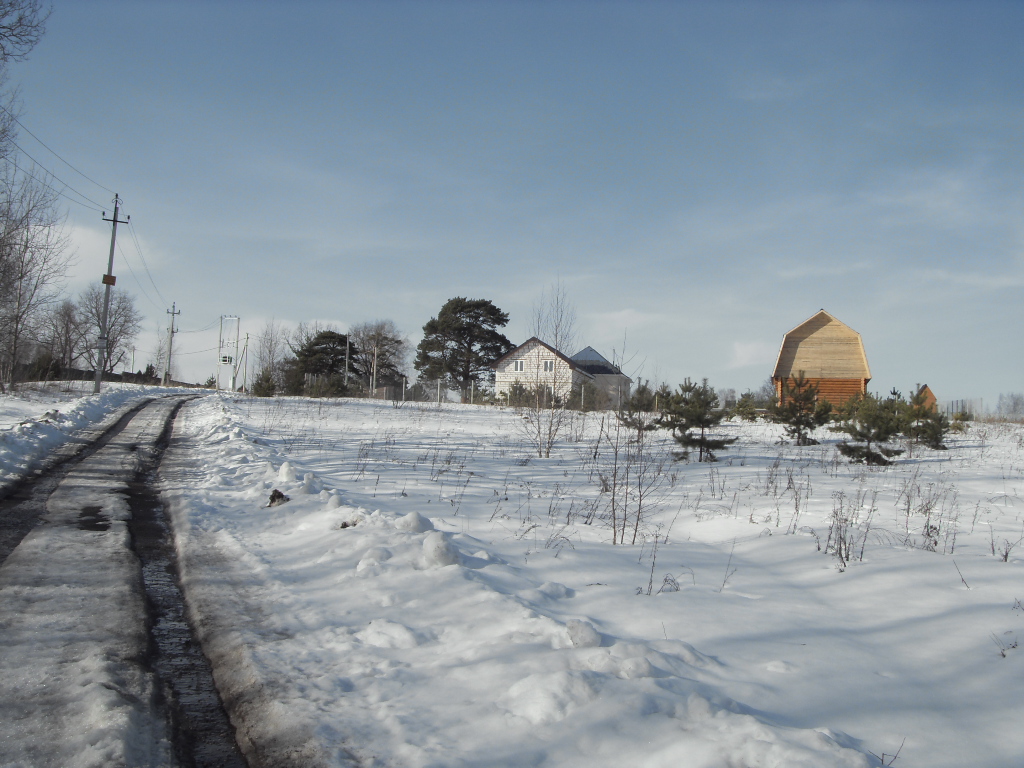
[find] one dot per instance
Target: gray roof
(593, 362)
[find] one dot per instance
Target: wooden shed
(929, 402)
(830, 354)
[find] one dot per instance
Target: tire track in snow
(82, 677)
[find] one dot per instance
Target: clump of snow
(548, 698)
(388, 634)
(414, 522)
(582, 634)
(438, 551)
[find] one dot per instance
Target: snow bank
(46, 426)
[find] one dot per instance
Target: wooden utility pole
(108, 282)
(170, 342)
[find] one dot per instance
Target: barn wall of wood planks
(828, 353)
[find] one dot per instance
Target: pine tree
(691, 414)
(746, 407)
(800, 410)
(874, 421)
(459, 344)
(925, 424)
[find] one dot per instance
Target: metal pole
(108, 281)
(245, 371)
(234, 361)
(220, 349)
(438, 391)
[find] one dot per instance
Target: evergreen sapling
(690, 414)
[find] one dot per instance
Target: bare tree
(304, 333)
(158, 360)
(33, 262)
(124, 322)
(64, 335)
(22, 23)
(547, 382)
(554, 319)
(381, 352)
(270, 347)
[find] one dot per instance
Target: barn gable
(829, 353)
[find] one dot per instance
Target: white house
(535, 363)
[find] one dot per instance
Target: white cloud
(751, 353)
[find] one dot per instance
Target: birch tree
(34, 259)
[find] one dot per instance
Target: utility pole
(373, 387)
(245, 369)
(170, 342)
(108, 281)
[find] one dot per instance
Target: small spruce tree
(691, 413)
(925, 424)
(638, 414)
(800, 410)
(264, 385)
(874, 421)
(746, 407)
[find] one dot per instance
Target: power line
(66, 185)
(135, 277)
(200, 330)
(138, 248)
(53, 152)
(94, 207)
(198, 351)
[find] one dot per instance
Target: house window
(517, 366)
(549, 366)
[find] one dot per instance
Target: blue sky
(701, 176)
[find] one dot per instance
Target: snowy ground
(74, 688)
(39, 419)
(435, 595)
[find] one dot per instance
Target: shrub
(263, 385)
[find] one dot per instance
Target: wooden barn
(830, 354)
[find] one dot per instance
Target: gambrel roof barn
(829, 353)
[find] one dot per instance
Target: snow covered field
(435, 595)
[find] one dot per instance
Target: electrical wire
(138, 248)
(56, 191)
(66, 185)
(197, 352)
(136, 279)
(53, 152)
(92, 204)
(200, 330)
